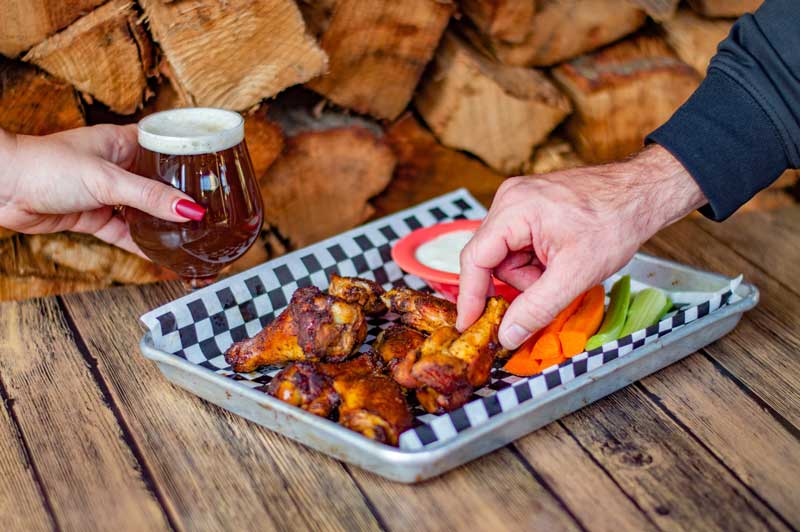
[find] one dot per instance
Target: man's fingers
(486, 250)
(120, 187)
(520, 269)
(560, 283)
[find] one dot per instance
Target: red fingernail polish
(189, 209)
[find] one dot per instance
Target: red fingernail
(189, 209)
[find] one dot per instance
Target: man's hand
(555, 235)
(71, 181)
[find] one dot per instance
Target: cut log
(725, 8)
(96, 259)
(317, 14)
(621, 94)
(24, 24)
(505, 20)
(554, 155)
(495, 111)
(426, 169)
(321, 183)
(105, 54)
(563, 29)
(694, 38)
(18, 260)
(378, 50)
(233, 54)
(264, 140)
(659, 9)
(33, 103)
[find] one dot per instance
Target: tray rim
(427, 456)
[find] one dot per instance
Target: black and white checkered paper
(202, 325)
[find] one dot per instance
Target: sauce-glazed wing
(398, 347)
(362, 292)
(424, 312)
(315, 326)
(374, 406)
(310, 385)
(478, 346)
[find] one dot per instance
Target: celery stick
(647, 307)
(615, 316)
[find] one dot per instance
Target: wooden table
(94, 438)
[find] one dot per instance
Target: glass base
(195, 283)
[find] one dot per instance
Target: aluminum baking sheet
(187, 338)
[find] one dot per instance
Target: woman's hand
(555, 235)
(71, 181)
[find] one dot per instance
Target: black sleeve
(741, 128)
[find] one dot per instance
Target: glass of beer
(202, 152)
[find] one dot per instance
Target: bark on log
(105, 54)
(264, 140)
(563, 29)
(233, 54)
(95, 259)
(33, 103)
(24, 24)
(505, 20)
(694, 38)
(725, 8)
(317, 14)
(622, 93)
(498, 112)
(554, 155)
(321, 183)
(659, 9)
(426, 169)
(378, 50)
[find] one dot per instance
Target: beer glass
(202, 152)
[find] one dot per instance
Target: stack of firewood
(353, 108)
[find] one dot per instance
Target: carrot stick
(547, 348)
(522, 365)
(561, 319)
(583, 323)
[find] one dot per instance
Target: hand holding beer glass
(202, 152)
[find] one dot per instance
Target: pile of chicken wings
(319, 335)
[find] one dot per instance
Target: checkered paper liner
(199, 327)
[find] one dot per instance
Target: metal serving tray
(186, 339)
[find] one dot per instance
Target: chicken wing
(367, 402)
(450, 365)
(310, 385)
(424, 312)
(398, 346)
(315, 326)
(374, 406)
(362, 292)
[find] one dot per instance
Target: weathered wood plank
(578, 480)
(669, 475)
(214, 470)
(737, 430)
(767, 239)
(90, 475)
(761, 350)
(495, 493)
(21, 504)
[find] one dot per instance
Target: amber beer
(202, 152)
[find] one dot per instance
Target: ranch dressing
(443, 252)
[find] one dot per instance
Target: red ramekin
(446, 283)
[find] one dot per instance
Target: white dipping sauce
(443, 252)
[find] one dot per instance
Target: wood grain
(740, 433)
(669, 475)
(494, 492)
(214, 470)
(21, 504)
(577, 478)
(120, 56)
(761, 350)
(73, 436)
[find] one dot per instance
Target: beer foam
(191, 131)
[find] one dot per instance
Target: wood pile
(353, 108)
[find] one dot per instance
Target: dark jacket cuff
(727, 143)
